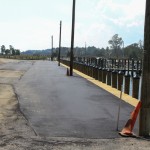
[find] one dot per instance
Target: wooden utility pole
(144, 124)
(85, 49)
(59, 44)
(72, 38)
(123, 49)
(52, 49)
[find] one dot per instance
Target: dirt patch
(10, 73)
(12, 122)
(8, 103)
(4, 60)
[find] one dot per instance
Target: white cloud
(122, 13)
(134, 9)
(96, 34)
(135, 24)
(101, 35)
(33, 34)
(96, 22)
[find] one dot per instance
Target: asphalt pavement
(60, 106)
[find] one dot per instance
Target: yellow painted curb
(125, 97)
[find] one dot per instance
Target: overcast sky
(29, 24)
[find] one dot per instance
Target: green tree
(133, 51)
(17, 52)
(7, 51)
(12, 50)
(141, 48)
(3, 49)
(108, 52)
(116, 43)
(129, 51)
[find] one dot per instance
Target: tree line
(115, 49)
(10, 51)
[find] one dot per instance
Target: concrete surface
(61, 106)
(17, 134)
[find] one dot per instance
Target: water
(131, 84)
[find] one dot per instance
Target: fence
(113, 72)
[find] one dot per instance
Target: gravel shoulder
(16, 132)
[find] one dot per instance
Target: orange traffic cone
(67, 74)
(127, 130)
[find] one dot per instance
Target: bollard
(84, 66)
(74, 65)
(78, 67)
(81, 67)
(127, 84)
(91, 71)
(114, 79)
(104, 73)
(109, 77)
(67, 73)
(93, 75)
(135, 86)
(88, 69)
(132, 70)
(120, 80)
(96, 73)
(100, 74)
(140, 67)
